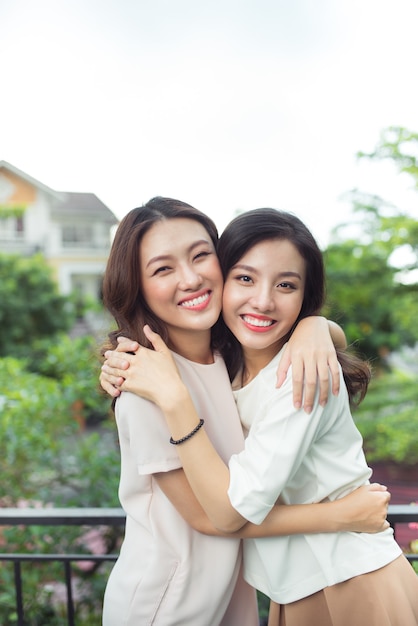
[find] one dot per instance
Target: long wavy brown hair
(122, 290)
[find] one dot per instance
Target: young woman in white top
(175, 567)
(274, 276)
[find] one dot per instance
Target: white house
(72, 230)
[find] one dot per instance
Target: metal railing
(397, 514)
(56, 517)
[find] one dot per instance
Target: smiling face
(182, 282)
(263, 296)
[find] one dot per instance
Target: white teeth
(195, 301)
(256, 322)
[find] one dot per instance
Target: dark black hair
(253, 227)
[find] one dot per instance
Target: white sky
(225, 104)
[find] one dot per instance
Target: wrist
(336, 516)
(181, 416)
(173, 399)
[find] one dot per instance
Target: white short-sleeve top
(296, 458)
(168, 573)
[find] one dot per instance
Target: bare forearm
(296, 519)
(362, 510)
(206, 472)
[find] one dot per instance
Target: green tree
(387, 419)
(372, 265)
(30, 305)
(373, 298)
(44, 454)
(47, 458)
(372, 261)
(399, 145)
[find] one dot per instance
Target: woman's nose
(189, 277)
(262, 299)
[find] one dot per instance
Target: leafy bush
(47, 457)
(30, 305)
(387, 419)
(74, 363)
(44, 455)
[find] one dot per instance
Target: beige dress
(168, 574)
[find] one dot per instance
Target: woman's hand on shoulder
(113, 371)
(312, 354)
(151, 374)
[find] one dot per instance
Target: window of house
(75, 235)
(20, 225)
(11, 228)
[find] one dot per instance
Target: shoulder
(267, 377)
(212, 375)
(130, 406)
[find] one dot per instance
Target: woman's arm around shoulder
(311, 350)
(364, 510)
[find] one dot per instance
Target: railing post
(70, 602)
(18, 589)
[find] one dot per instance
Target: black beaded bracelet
(176, 442)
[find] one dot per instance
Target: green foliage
(387, 419)
(7, 211)
(75, 364)
(47, 458)
(44, 454)
(354, 277)
(400, 146)
(372, 298)
(30, 305)
(373, 289)
(372, 274)
(35, 422)
(58, 444)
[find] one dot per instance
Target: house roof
(69, 203)
(29, 179)
(78, 203)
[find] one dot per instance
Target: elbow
(204, 527)
(209, 526)
(230, 524)
(226, 518)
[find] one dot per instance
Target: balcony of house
(84, 236)
(13, 239)
(17, 245)
(399, 516)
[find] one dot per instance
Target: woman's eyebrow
(290, 274)
(164, 257)
(244, 267)
(249, 268)
(158, 259)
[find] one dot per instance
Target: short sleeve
(144, 429)
(278, 440)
